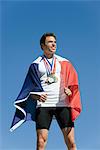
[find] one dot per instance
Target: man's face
(50, 45)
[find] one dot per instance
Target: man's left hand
(67, 91)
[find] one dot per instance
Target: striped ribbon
(50, 67)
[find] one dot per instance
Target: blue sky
(77, 27)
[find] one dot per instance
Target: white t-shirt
(55, 91)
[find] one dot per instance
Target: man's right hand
(41, 98)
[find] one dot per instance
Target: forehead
(50, 38)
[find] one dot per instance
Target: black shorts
(44, 117)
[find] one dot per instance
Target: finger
(67, 91)
(42, 99)
(45, 96)
(65, 88)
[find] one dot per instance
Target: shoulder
(37, 60)
(60, 58)
(35, 63)
(64, 62)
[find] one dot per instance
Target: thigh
(63, 117)
(43, 118)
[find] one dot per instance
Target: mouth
(53, 48)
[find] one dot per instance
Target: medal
(51, 79)
(50, 69)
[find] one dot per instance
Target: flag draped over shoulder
(25, 105)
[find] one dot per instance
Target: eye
(50, 41)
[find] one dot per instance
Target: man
(52, 85)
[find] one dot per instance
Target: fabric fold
(70, 80)
(24, 104)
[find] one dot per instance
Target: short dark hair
(42, 40)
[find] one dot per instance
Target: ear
(42, 46)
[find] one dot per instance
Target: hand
(41, 98)
(67, 91)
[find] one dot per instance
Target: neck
(48, 55)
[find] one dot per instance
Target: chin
(53, 51)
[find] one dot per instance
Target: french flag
(26, 106)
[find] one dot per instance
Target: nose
(53, 44)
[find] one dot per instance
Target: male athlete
(53, 83)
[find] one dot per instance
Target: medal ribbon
(50, 67)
